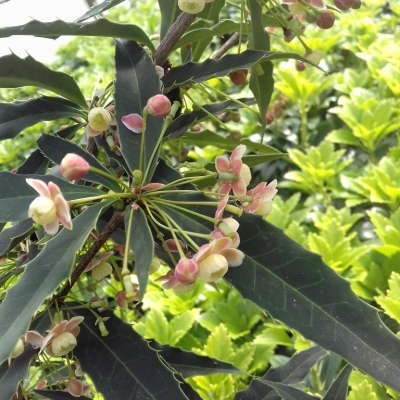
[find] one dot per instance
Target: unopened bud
(239, 77)
(186, 271)
(158, 106)
(74, 167)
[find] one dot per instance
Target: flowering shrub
(145, 213)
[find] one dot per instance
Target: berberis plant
(112, 205)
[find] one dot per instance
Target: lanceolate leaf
(338, 389)
(122, 364)
(16, 194)
(192, 72)
(99, 8)
(219, 29)
(297, 288)
(10, 237)
(11, 376)
(15, 117)
(190, 364)
(55, 148)
(42, 277)
(136, 82)
(16, 72)
(37, 163)
(100, 27)
(261, 80)
(181, 124)
(169, 11)
(142, 244)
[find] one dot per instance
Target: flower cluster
(212, 260)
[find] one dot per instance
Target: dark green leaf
(99, 8)
(42, 277)
(289, 392)
(100, 27)
(169, 12)
(10, 237)
(37, 163)
(15, 117)
(56, 148)
(16, 195)
(112, 155)
(136, 82)
(261, 79)
(142, 244)
(297, 288)
(17, 72)
(338, 389)
(190, 364)
(192, 72)
(11, 376)
(181, 124)
(122, 365)
(58, 395)
(3, 1)
(221, 28)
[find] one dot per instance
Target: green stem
(125, 270)
(100, 172)
(142, 140)
(101, 197)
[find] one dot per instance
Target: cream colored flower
(191, 6)
(100, 269)
(50, 208)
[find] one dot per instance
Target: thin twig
(112, 225)
(232, 41)
(174, 33)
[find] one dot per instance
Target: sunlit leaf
(99, 8)
(16, 72)
(100, 27)
(10, 237)
(15, 117)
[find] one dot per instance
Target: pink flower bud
(238, 77)
(343, 4)
(134, 122)
(74, 167)
(269, 116)
(186, 271)
(171, 244)
(158, 106)
(75, 387)
(300, 66)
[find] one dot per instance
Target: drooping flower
(213, 268)
(261, 198)
(18, 349)
(74, 167)
(50, 208)
(134, 122)
(234, 166)
(99, 119)
(227, 227)
(99, 267)
(59, 341)
(159, 105)
(76, 388)
(191, 6)
(186, 271)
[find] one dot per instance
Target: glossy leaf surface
(17, 72)
(142, 244)
(136, 82)
(55, 148)
(199, 72)
(122, 364)
(15, 117)
(100, 27)
(42, 277)
(16, 195)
